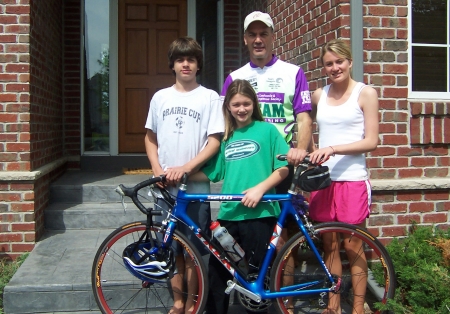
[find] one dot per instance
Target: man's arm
(304, 132)
(151, 148)
(174, 175)
(301, 104)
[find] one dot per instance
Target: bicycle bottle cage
(146, 263)
(312, 179)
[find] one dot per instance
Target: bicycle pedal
(230, 287)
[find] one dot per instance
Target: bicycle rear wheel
(116, 290)
(370, 285)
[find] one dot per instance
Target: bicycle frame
(255, 289)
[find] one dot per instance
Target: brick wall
(232, 36)
(14, 88)
(30, 118)
(410, 169)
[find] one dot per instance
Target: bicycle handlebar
(283, 157)
(132, 192)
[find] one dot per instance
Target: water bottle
(227, 241)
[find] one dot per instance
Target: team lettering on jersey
(272, 108)
(182, 111)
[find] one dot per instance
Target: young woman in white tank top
(347, 115)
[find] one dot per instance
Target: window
(96, 76)
(429, 49)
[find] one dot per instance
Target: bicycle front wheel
(116, 290)
(358, 262)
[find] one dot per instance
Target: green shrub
(423, 274)
(7, 270)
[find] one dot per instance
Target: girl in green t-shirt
(247, 164)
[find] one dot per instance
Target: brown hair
(244, 88)
(185, 47)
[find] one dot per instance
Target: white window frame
(427, 95)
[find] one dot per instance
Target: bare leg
(332, 259)
(358, 268)
(177, 286)
(192, 286)
(288, 277)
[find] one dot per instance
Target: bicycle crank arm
(251, 295)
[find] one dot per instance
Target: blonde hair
(244, 88)
(338, 47)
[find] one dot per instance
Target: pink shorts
(344, 201)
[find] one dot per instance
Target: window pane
(429, 21)
(429, 67)
(96, 79)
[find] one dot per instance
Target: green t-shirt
(246, 159)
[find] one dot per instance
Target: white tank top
(342, 124)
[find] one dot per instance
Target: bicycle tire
(116, 290)
(307, 268)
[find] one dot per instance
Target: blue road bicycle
(133, 266)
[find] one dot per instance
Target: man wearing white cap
(284, 98)
(282, 88)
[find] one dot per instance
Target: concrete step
(56, 276)
(63, 216)
(84, 209)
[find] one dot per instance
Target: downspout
(356, 39)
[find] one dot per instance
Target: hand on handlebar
(296, 155)
(175, 174)
(321, 154)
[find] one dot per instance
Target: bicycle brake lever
(122, 198)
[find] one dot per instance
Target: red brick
(11, 237)
(410, 173)
(426, 130)
(396, 69)
(435, 217)
(18, 68)
(422, 207)
(443, 161)
(395, 116)
(17, 87)
(373, 162)
(380, 197)
(408, 219)
(22, 207)
(409, 151)
(436, 151)
(423, 161)
(395, 162)
(381, 220)
(395, 92)
(393, 139)
(381, 33)
(386, 128)
(395, 208)
(382, 174)
(437, 195)
(387, 104)
(436, 172)
(409, 196)
(446, 131)
(415, 124)
(398, 231)
(10, 197)
(442, 206)
(22, 247)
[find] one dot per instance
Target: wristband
(334, 152)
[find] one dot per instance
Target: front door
(146, 29)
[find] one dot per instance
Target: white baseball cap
(258, 16)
